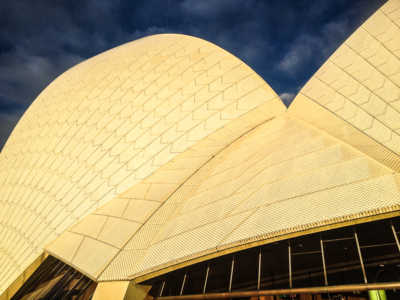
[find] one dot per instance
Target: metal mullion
(376, 245)
(396, 238)
(81, 280)
(183, 284)
(259, 270)
(76, 285)
(162, 288)
(338, 239)
(206, 278)
(48, 271)
(88, 282)
(305, 253)
(60, 267)
(323, 261)
(231, 274)
(59, 288)
(290, 265)
(360, 256)
(347, 288)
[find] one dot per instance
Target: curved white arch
(110, 122)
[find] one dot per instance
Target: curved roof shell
(309, 168)
(169, 150)
(106, 125)
(293, 173)
(355, 95)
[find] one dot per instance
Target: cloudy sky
(285, 41)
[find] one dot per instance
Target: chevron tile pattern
(104, 126)
(303, 179)
(360, 84)
(168, 149)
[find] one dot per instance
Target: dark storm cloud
(212, 8)
(284, 41)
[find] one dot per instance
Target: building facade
(166, 167)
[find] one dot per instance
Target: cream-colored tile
(92, 256)
(117, 231)
(115, 207)
(66, 245)
(90, 225)
(140, 210)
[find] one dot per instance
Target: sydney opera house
(166, 168)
